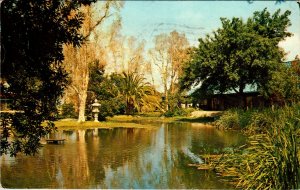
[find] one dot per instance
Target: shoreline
(128, 121)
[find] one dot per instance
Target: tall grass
(270, 159)
(267, 161)
(257, 120)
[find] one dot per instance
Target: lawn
(128, 121)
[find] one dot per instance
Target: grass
(256, 121)
(136, 118)
(67, 125)
(270, 159)
(265, 162)
(154, 117)
(128, 121)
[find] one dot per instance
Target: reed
(256, 121)
(270, 159)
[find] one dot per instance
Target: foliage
(268, 161)
(137, 93)
(68, 111)
(241, 119)
(78, 59)
(106, 90)
(168, 56)
(229, 120)
(110, 108)
(238, 54)
(254, 121)
(175, 98)
(32, 36)
(284, 87)
(122, 92)
(179, 112)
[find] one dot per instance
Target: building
(233, 100)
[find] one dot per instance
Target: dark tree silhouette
(32, 35)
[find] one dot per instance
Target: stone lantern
(95, 109)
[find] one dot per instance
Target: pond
(122, 158)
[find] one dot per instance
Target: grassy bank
(125, 118)
(73, 124)
(270, 158)
(256, 121)
(136, 121)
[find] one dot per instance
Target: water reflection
(121, 158)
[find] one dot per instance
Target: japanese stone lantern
(95, 109)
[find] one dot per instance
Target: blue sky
(145, 19)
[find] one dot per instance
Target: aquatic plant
(270, 159)
(229, 120)
(255, 121)
(265, 162)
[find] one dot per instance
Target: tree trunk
(127, 109)
(243, 98)
(82, 93)
(82, 102)
(166, 97)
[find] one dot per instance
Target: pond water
(122, 158)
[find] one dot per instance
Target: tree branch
(107, 6)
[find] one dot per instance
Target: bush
(178, 112)
(68, 111)
(110, 108)
(229, 120)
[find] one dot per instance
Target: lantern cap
(96, 104)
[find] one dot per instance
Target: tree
(127, 53)
(122, 93)
(32, 38)
(106, 90)
(136, 92)
(168, 56)
(78, 59)
(284, 88)
(238, 54)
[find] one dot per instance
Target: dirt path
(205, 113)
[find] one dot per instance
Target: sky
(145, 19)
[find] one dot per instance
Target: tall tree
(78, 59)
(32, 38)
(238, 54)
(127, 54)
(169, 55)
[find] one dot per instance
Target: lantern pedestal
(95, 110)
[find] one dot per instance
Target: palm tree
(137, 93)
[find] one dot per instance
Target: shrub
(110, 108)
(168, 113)
(68, 111)
(178, 112)
(229, 120)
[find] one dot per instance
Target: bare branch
(91, 29)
